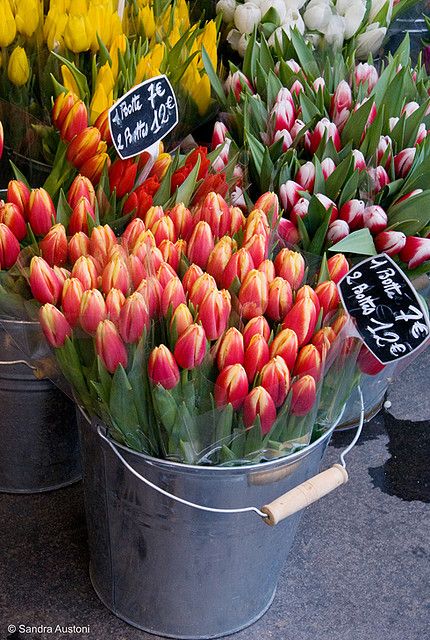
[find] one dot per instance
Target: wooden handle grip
(305, 494)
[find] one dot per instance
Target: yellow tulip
(27, 16)
(157, 54)
(53, 29)
(78, 8)
(202, 95)
(182, 14)
(69, 81)
(147, 21)
(18, 69)
(119, 44)
(145, 69)
(7, 24)
(105, 24)
(174, 36)
(77, 34)
(100, 102)
(105, 77)
(208, 40)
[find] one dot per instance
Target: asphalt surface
(359, 568)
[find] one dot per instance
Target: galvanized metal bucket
(39, 436)
(197, 561)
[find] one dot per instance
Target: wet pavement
(359, 568)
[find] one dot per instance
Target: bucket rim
(235, 470)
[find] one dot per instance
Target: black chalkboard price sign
(389, 315)
(143, 116)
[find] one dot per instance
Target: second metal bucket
(175, 571)
(39, 437)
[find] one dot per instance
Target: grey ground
(359, 569)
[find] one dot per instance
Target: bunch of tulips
(345, 147)
(188, 339)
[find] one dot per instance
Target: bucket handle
(286, 505)
(12, 362)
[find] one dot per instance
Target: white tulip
(353, 12)
(370, 41)
(246, 17)
(233, 38)
(227, 8)
(278, 5)
(317, 15)
(294, 4)
(376, 7)
(242, 44)
(293, 21)
(334, 31)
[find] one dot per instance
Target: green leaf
(214, 79)
(18, 175)
(318, 240)
(354, 127)
(257, 151)
(250, 59)
(336, 180)
(411, 215)
(64, 210)
(304, 54)
(78, 76)
(359, 242)
(186, 189)
(309, 110)
(121, 405)
(349, 191)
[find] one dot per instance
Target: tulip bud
(163, 229)
(375, 218)
(385, 144)
(390, 242)
(44, 284)
(282, 115)
(81, 187)
(53, 247)
(341, 99)
(219, 134)
(171, 253)
(214, 313)
(162, 367)
(62, 105)
(403, 162)
(85, 270)
(239, 265)
(200, 288)
(71, 300)
(368, 363)
(308, 362)
(306, 177)
(328, 296)
(302, 319)
(256, 223)
(41, 211)
(352, 213)
(324, 130)
(83, 146)
(415, 252)
(411, 194)
(75, 121)
(161, 166)
(237, 220)
(182, 221)
(102, 124)
(322, 340)
(152, 291)
(303, 395)
(269, 204)
(337, 231)
(219, 258)
(421, 134)
(290, 194)
(11, 216)
(114, 302)
(115, 275)
(236, 82)
(133, 318)
(92, 310)
(200, 245)
(181, 319)
(132, 232)
(268, 268)
(94, 166)
(109, 346)
(19, 194)
(191, 347)
(359, 160)
(231, 386)
(366, 73)
(230, 349)
(337, 267)
(379, 178)
(300, 210)
(253, 294)
(275, 378)
(280, 299)
(328, 167)
(191, 275)
(54, 325)
(296, 128)
(288, 232)
(165, 273)
(101, 242)
(285, 345)
(307, 292)
(256, 356)
(215, 211)
(173, 295)
(259, 403)
(80, 214)
(290, 265)
(258, 248)
(79, 245)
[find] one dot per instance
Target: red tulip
(303, 395)
(152, 291)
(322, 340)
(79, 245)
(288, 232)
(366, 73)
(19, 194)
(191, 275)
(133, 318)
(307, 292)
(290, 193)
(162, 368)
(81, 187)
(275, 378)
(302, 319)
(337, 267)
(163, 229)
(215, 211)
(83, 146)
(308, 362)
(11, 216)
(230, 349)
(341, 99)
(268, 268)
(328, 296)
(41, 211)
(54, 325)
(201, 288)
(219, 258)
(231, 386)
(44, 284)
(324, 130)
(214, 313)
(173, 295)
(415, 252)
(253, 294)
(115, 299)
(132, 232)
(379, 178)
(375, 218)
(181, 319)
(191, 347)
(286, 345)
(115, 275)
(102, 124)
(256, 356)
(283, 113)
(80, 214)
(300, 210)
(368, 363)
(165, 273)
(71, 300)
(403, 162)
(53, 247)
(237, 220)
(390, 242)
(259, 403)
(239, 265)
(92, 310)
(269, 204)
(280, 299)
(258, 248)
(62, 105)
(101, 242)
(306, 176)
(200, 245)
(337, 231)
(257, 325)
(290, 265)
(171, 253)
(182, 220)
(75, 121)
(236, 83)
(86, 271)
(352, 213)
(94, 166)
(109, 346)
(219, 134)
